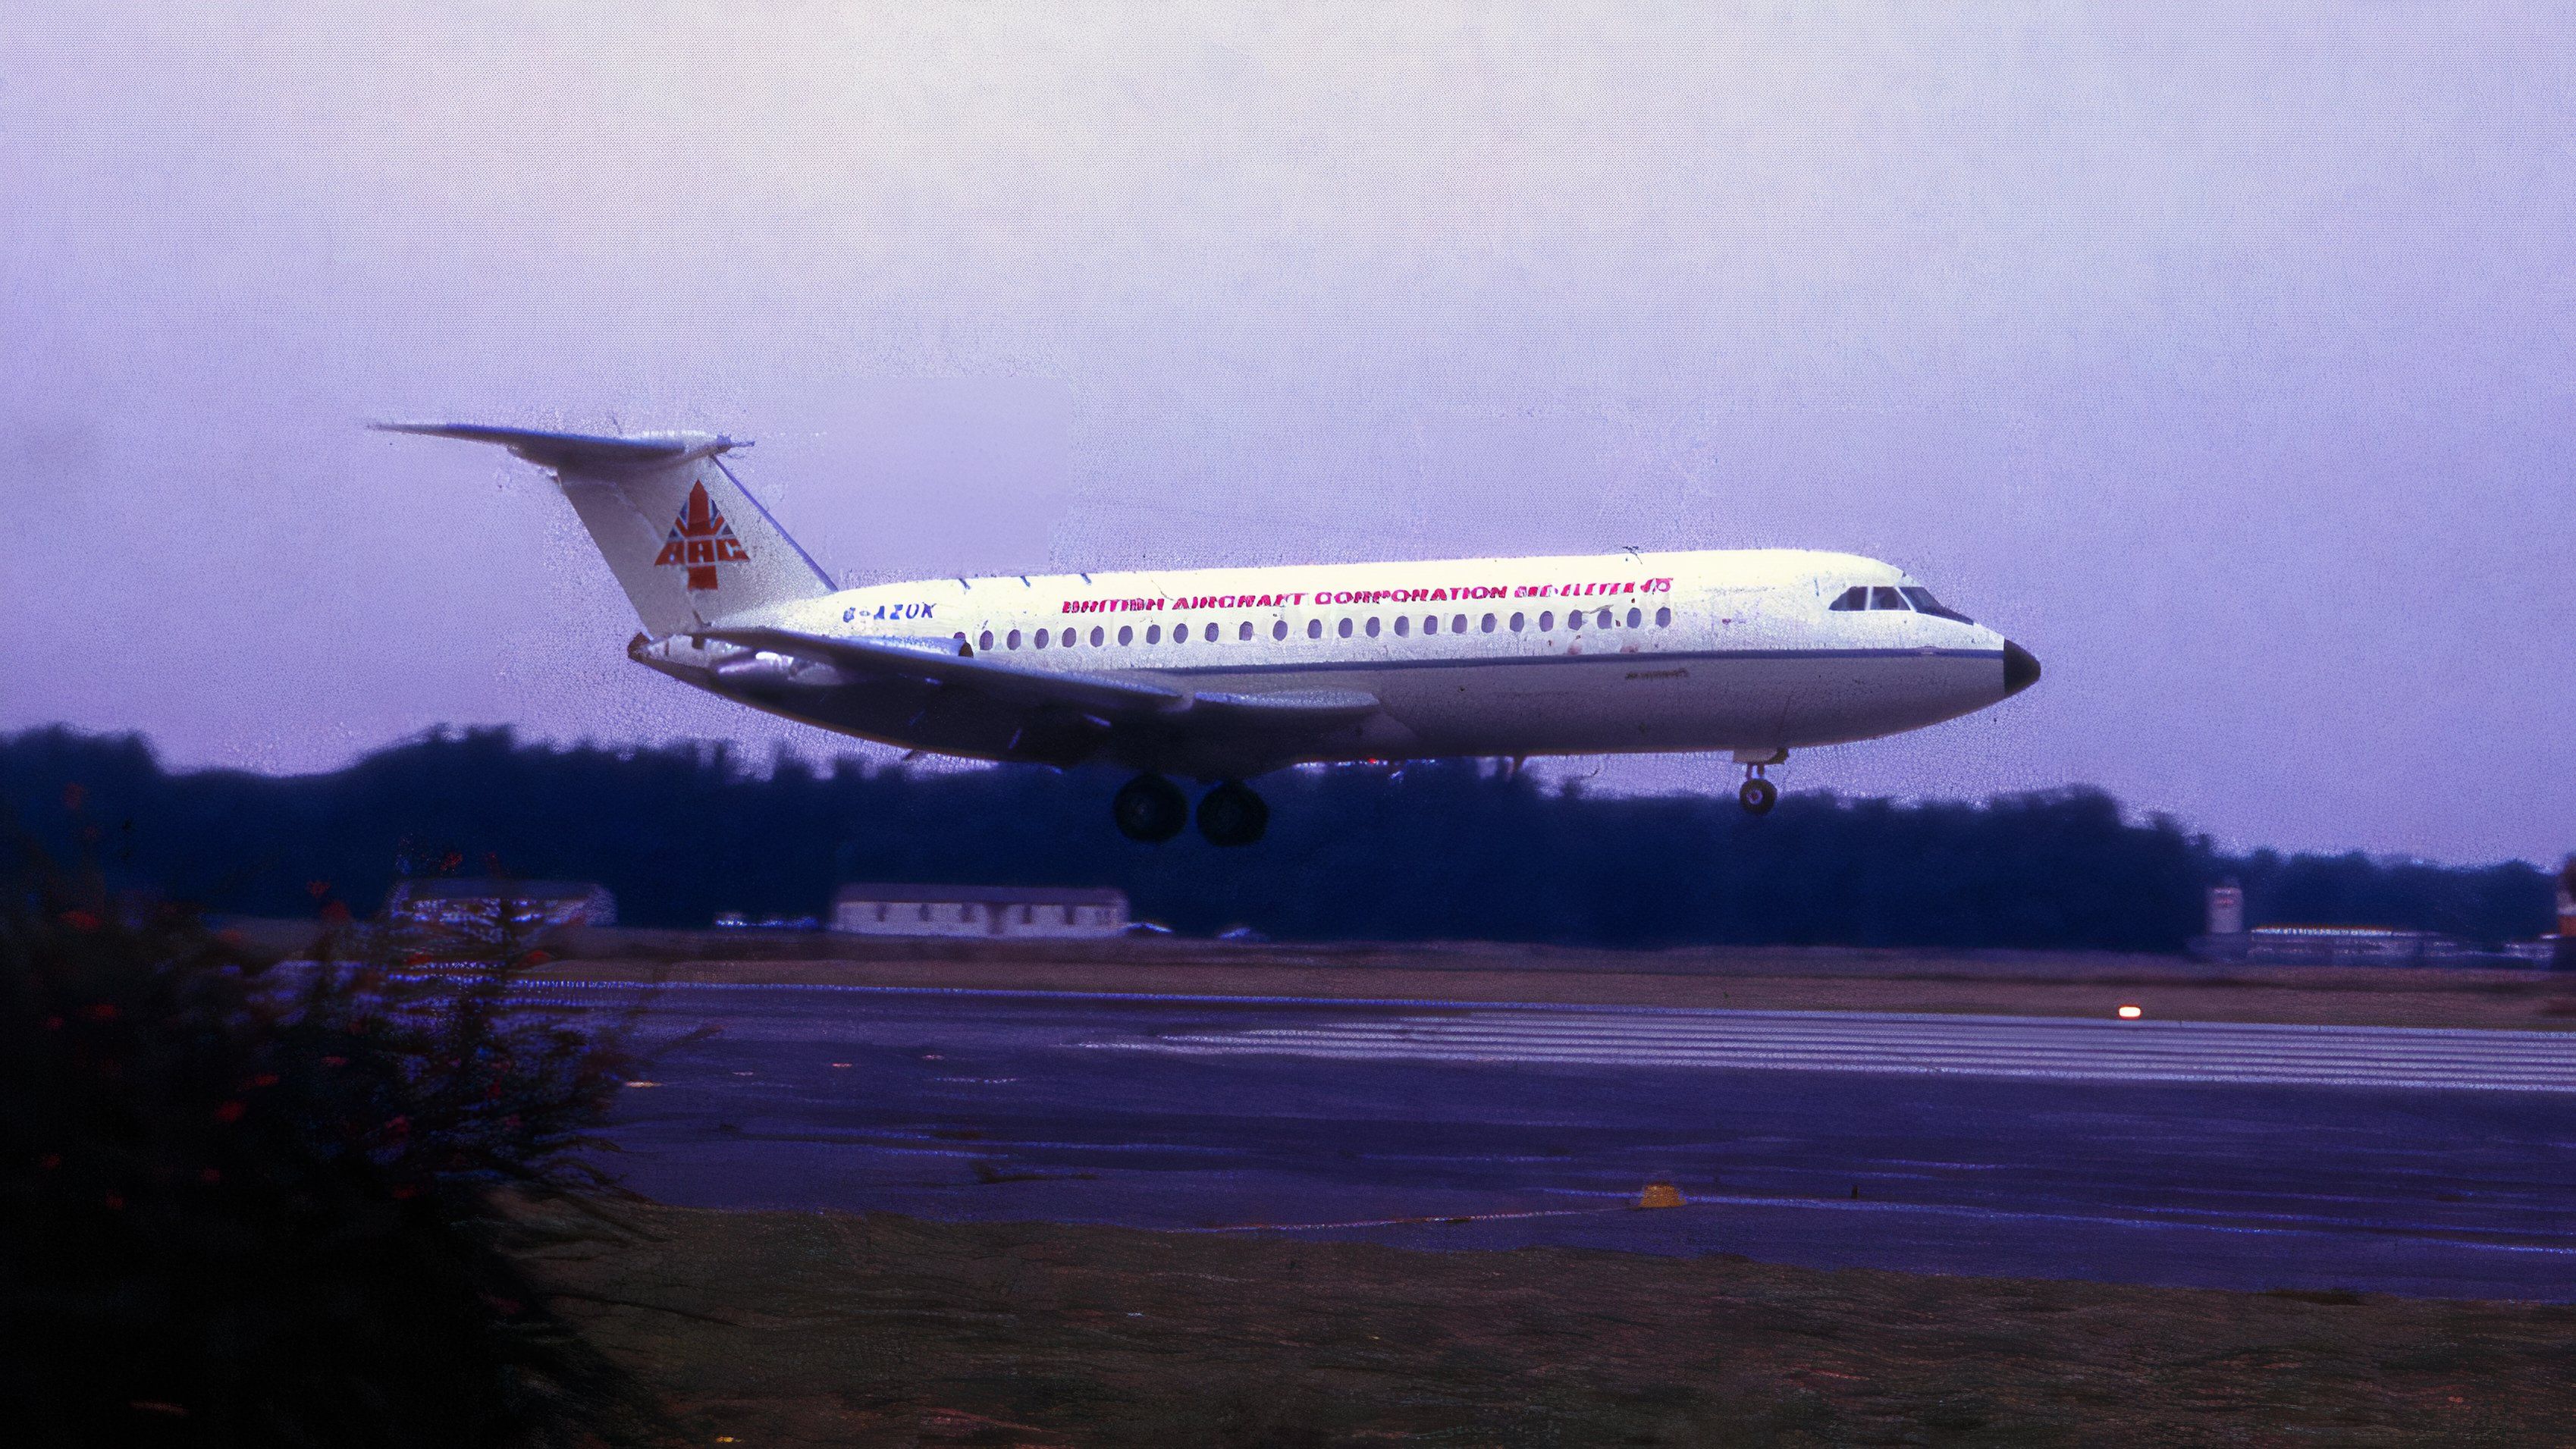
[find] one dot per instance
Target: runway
(1988, 1046)
(2425, 1162)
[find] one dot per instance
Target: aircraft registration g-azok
(1219, 675)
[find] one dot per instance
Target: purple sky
(2225, 363)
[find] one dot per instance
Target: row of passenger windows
(1431, 624)
(1880, 596)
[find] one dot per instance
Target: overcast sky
(2224, 362)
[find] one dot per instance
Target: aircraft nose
(2021, 668)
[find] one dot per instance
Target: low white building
(961, 910)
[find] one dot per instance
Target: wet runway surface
(2423, 1162)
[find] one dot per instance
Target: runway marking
(530, 993)
(1919, 1044)
(2030, 1048)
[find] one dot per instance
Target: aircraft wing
(1111, 697)
(1288, 707)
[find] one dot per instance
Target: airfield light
(2131, 1013)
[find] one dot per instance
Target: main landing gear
(1231, 814)
(1152, 810)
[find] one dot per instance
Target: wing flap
(1116, 697)
(1301, 707)
(940, 662)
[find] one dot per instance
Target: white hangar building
(963, 910)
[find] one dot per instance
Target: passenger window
(1489, 623)
(1279, 630)
(1516, 623)
(1602, 618)
(1573, 619)
(1245, 632)
(1635, 618)
(1458, 624)
(984, 641)
(1431, 623)
(1014, 640)
(1372, 626)
(1126, 634)
(1042, 638)
(1180, 633)
(1314, 628)
(1153, 633)
(1663, 618)
(1346, 628)
(1096, 636)
(1403, 626)
(1210, 631)
(1546, 620)
(1855, 597)
(1884, 597)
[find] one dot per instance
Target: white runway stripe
(2026, 1047)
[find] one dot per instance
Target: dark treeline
(1447, 850)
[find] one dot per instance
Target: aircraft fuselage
(1741, 650)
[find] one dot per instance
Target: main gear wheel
(1231, 814)
(1150, 809)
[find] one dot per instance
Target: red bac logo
(700, 539)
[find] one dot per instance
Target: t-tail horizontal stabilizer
(687, 541)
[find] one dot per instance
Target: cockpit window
(1855, 597)
(1884, 597)
(1923, 601)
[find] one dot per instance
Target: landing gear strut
(1231, 814)
(1150, 809)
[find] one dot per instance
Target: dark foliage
(1442, 850)
(243, 1204)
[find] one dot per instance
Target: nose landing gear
(1757, 795)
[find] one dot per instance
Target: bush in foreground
(248, 1203)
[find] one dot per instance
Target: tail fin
(686, 541)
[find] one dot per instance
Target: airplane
(1222, 675)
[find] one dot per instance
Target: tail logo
(700, 539)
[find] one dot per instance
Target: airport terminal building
(1059, 912)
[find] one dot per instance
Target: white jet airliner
(1219, 675)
